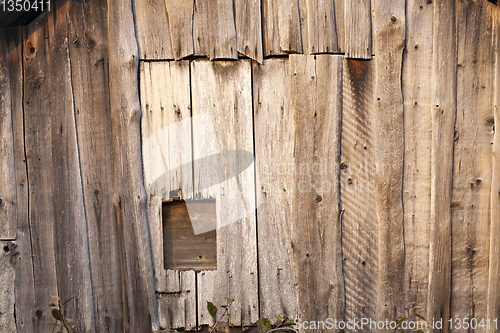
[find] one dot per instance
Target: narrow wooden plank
(359, 223)
(340, 24)
(180, 20)
(153, 31)
(282, 34)
(443, 110)
(130, 197)
(417, 72)
(493, 307)
(249, 29)
(319, 33)
(7, 285)
(472, 169)
(222, 121)
(358, 29)
(172, 306)
(89, 70)
(316, 96)
(214, 31)
(388, 142)
(274, 136)
(8, 199)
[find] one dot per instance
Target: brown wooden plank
(130, 197)
(316, 94)
(274, 136)
(417, 72)
(180, 19)
(89, 70)
(358, 29)
(319, 33)
(340, 24)
(153, 31)
(7, 286)
(214, 31)
(173, 306)
(359, 223)
(222, 120)
(8, 199)
(473, 159)
(282, 34)
(388, 142)
(249, 29)
(443, 111)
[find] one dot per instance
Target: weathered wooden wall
(376, 171)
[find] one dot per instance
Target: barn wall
(376, 171)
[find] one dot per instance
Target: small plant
(62, 323)
(282, 323)
(220, 326)
(413, 322)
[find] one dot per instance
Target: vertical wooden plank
(358, 29)
(214, 31)
(319, 33)
(7, 278)
(249, 29)
(389, 42)
(222, 101)
(316, 94)
(130, 201)
(443, 110)
(274, 136)
(473, 159)
(153, 31)
(180, 20)
(8, 207)
(493, 307)
(166, 101)
(417, 93)
(282, 33)
(359, 223)
(340, 24)
(89, 71)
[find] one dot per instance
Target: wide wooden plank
(274, 136)
(319, 33)
(443, 110)
(222, 121)
(7, 286)
(282, 34)
(178, 310)
(130, 196)
(214, 30)
(316, 96)
(388, 143)
(417, 72)
(8, 199)
(358, 29)
(153, 31)
(249, 29)
(474, 130)
(359, 223)
(180, 20)
(89, 70)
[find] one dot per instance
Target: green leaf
(70, 323)
(66, 301)
(400, 320)
(278, 320)
(419, 316)
(324, 331)
(261, 327)
(267, 322)
(212, 309)
(420, 331)
(230, 319)
(51, 304)
(57, 314)
(55, 297)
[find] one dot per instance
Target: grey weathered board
(222, 92)
(318, 28)
(249, 28)
(180, 20)
(358, 27)
(281, 20)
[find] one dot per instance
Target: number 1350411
(473, 323)
(25, 5)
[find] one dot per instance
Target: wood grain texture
(249, 29)
(282, 32)
(443, 110)
(358, 29)
(274, 154)
(130, 197)
(474, 135)
(319, 33)
(178, 310)
(388, 142)
(8, 197)
(316, 94)
(214, 30)
(89, 74)
(417, 93)
(359, 223)
(222, 93)
(7, 287)
(180, 20)
(153, 30)
(340, 24)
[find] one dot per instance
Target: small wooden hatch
(182, 248)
